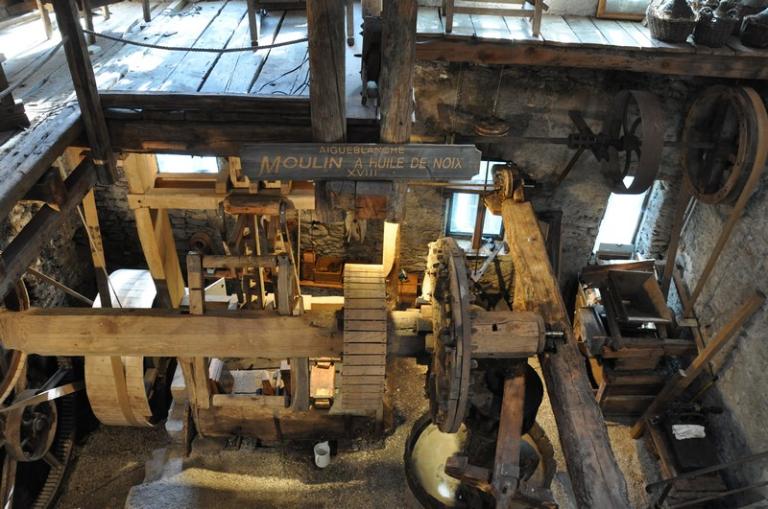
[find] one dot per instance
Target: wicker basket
(754, 30)
(713, 30)
(672, 21)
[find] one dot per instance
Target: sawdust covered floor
(137, 469)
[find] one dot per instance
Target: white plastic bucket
(322, 454)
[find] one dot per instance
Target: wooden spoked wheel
(365, 338)
(725, 141)
(449, 372)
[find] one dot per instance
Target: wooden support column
(327, 96)
(195, 369)
(84, 83)
(396, 89)
(596, 478)
(155, 233)
(91, 218)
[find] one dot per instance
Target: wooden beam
(269, 106)
(84, 82)
(684, 378)
(485, 52)
(28, 158)
(591, 463)
(327, 96)
(199, 138)
(165, 333)
(24, 249)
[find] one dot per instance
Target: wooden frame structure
(480, 7)
(207, 332)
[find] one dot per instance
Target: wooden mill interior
(383, 253)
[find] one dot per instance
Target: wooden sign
(311, 161)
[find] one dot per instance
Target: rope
(198, 50)
(13, 86)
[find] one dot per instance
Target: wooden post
(84, 83)
(596, 478)
(155, 233)
(254, 21)
(398, 40)
(46, 18)
(146, 11)
(91, 218)
(327, 97)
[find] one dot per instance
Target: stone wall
(742, 267)
(66, 257)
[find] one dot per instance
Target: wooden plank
(586, 31)
(490, 27)
(305, 161)
(364, 348)
(236, 72)
(365, 326)
(164, 333)
(365, 304)
(555, 30)
(357, 293)
(220, 102)
(364, 337)
(683, 379)
(27, 156)
(428, 21)
(615, 34)
(156, 65)
(586, 447)
(364, 360)
(361, 380)
(362, 370)
(520, 29)
(285, 70)
(368, 390)
(364, 314)
(191, 71)
(25, 247)
(91, 217)
(198, 138)
(589, 57)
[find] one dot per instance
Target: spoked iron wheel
(725, 138)
(635, 128)
(37, 439)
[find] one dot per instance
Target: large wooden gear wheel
(365, 338)
(116, 386)
(449, 373)
(726, 139)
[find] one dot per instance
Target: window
(177, 163)
(621, 219)
(462, 207)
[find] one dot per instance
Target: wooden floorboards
(569, 30)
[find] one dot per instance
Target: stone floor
(122, 467)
